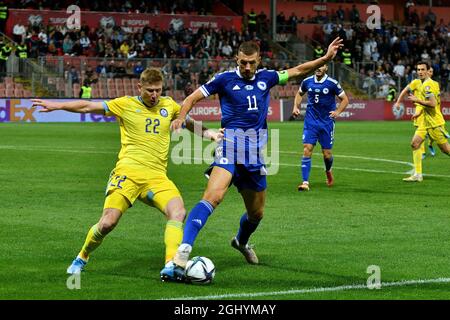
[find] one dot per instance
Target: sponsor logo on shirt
(248, 87)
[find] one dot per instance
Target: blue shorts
(324, 133)
(243, 178)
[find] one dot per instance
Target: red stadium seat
(76, 90)
(9, 93)
(8, 80)
(126, 82)
(18, 93)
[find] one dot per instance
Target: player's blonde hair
(151, 76)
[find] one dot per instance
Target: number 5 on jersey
(316, 98)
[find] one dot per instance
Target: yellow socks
(93, 239)
(417, 158)
(172, 238)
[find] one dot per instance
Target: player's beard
(247, 75)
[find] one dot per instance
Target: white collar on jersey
(321, 80)
(240, 76)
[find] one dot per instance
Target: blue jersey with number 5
(321, 98)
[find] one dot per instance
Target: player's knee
(445, 148)
(108, 222)
(105, 226)
(255, 215)
(214, 197)
(415, 145)
(177, 215)
(307, 152)
(327, 154)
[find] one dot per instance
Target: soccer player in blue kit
(320, 116)
(244, 95)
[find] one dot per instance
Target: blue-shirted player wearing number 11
(244, 95)
(320, 116)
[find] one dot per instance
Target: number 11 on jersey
(250, 106)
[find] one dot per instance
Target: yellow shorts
(421, 132)
(438, 134)
(151, 187)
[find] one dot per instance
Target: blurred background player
(319, 123)
(427, 102)
(244, 95)
(140, 172)
(413, 88)
(434, 121)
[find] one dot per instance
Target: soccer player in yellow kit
(413, 87)
(428, 105)
(140, 171)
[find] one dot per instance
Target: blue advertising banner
(21, 110)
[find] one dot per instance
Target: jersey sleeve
(429, 91)
(413, 85)
(338, 90)
(114, 107)
(214, 85)
(302, 88)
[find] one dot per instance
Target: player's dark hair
(248, 48)
(151, 76)
(425, 63)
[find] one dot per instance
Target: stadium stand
(112, 58)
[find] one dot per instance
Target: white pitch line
(37, 148)
(312, 290)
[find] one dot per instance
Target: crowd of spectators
(201, 7)
(384, 57)
(387, 56)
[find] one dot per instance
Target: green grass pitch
(53, 178)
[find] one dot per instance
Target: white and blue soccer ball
(200, 270)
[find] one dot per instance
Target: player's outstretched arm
(297, 103)
(401, 96)
(78, 106)
(186, 106)
(342, 105)
(308, 67)
(197, 128)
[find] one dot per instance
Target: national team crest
(163, 112)
(262, 85)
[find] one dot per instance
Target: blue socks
(328, 163)
(200, 214)
(306, 168)
(246, 229)
(196, 220)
